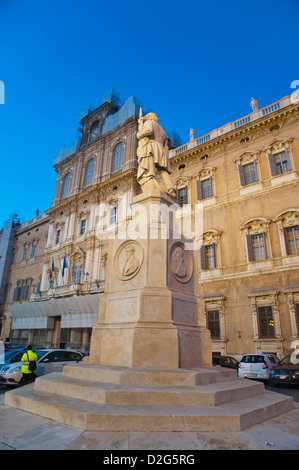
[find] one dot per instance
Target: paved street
(292, 391)
(24, 431)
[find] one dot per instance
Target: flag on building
(64, 266)
(52, 270)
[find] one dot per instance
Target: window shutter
(286, 241)
(265, 249)
(255, 171)
(288, 160)
(202, 257)
(199, 190)
(241, 175)
(249, 248)
(214, 253)
(24, 292)
(16, 294)
(271, 164)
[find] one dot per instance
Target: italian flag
(52, 270)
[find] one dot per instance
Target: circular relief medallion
(181, 262)
(128, 260)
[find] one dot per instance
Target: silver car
(257, 366)
(48, 360)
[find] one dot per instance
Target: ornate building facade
(240, 181)
(243, 177)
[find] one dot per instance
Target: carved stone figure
(131, 264)
(253, 104)
(192, 134)
(153, 155)
(179, 263)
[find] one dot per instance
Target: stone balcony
(69, 290)
(255, 115)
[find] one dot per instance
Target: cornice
(229, 136)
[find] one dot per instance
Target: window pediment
(278, 145)
(210, 237)
(247, 157)
(288, 218)
(182, 182)
(255, 226)
(204, 173)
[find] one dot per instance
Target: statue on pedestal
(153, 155)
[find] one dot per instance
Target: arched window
(118, 154)
(89, 170)
(66, 185)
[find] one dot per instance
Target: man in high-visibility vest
(28, 375)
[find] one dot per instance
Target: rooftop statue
(254, 104)
(152, 155)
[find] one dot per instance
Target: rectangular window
(213, 323)
(33, 251)
(25, 253)
(250, 175)
(24, 292)
(258, 247)
(206, 186)
(16, 294)
(210, 257)
(292, 240)
(247, 173)
(19, 337)
(39, 337)
(113, 214)
(58, 235)
(83, 227)
(279, 163)
(77, 273)
(13, 257)
(6, 295)
(182, 197)
(265, 322)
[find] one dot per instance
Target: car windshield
(253, 359)
(41, 353)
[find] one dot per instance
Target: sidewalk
(20, 430)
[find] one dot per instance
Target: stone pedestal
(149, 313)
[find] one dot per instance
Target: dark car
(285, 372)
(225, 361)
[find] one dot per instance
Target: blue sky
(195, 63)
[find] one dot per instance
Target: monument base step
(224, 403)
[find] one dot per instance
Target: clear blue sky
(195, 63)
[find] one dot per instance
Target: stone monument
(150, 357)
(149, 313)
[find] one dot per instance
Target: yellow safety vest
(32, 357)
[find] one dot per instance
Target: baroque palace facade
(240, 180)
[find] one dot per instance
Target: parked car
(48, 360)
(285, 372)
(11, 356)
(225, 361)
(257, 366)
